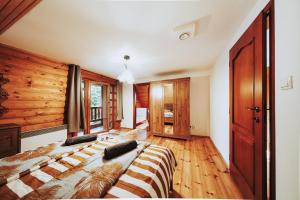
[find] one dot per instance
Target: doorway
(97, 107)
(96, 100)
(141, 104)
(252, 100)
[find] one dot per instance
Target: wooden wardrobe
(170, 108)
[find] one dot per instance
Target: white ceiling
(96, 34)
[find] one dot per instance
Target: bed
(79, 171)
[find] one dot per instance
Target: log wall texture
(36, 89)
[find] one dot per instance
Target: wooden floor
(200, 171)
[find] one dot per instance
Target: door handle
(255, 109)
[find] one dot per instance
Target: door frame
(87, 103)
(269, 11)
(134, 104)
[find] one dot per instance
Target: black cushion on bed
(119, 149)
(80, 139)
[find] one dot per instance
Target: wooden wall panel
(12, 10)
(37, 89)
(142, 95)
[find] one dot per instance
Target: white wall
(219, 105)
(127, 122)
(31, 143)
(287, 43)
(287, 61)
(199, 105)
(220, 87)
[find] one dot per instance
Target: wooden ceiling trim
(3, 3)
(97, 77)
(13, 10)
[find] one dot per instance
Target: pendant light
(126, 76)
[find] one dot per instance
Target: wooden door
(247, 150)
(156, 107)
(182, 112)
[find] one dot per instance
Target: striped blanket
(149, 176)
(79, 171)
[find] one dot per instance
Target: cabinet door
(182, 126)
(156, 107)
(9, 141)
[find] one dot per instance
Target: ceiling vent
(185, 31)
(192, 29)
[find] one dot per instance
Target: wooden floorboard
(201, 172)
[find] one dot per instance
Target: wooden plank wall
(36, 88)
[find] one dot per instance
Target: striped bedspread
(79, 171)
(149, 176)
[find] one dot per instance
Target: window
(98, 101)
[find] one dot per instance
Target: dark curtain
(119, 101)
(76, 117)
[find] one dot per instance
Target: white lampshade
(126, 77)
